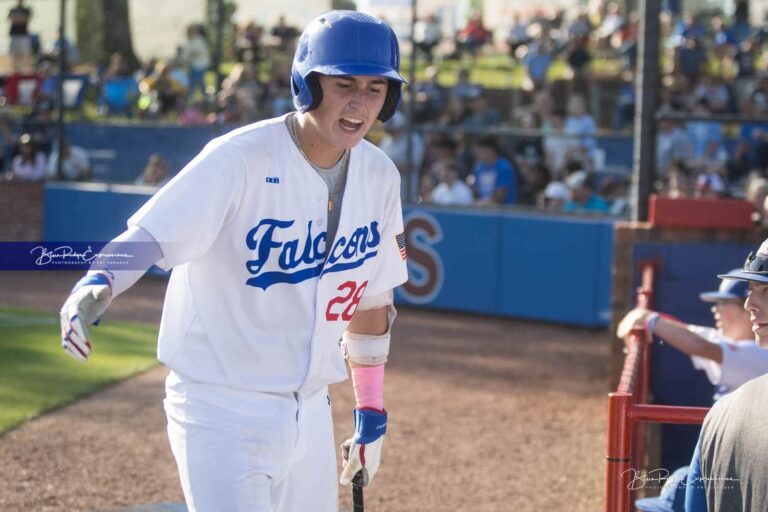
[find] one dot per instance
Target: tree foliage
(228, 25)
(103, 28)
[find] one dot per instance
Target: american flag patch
(401, 244)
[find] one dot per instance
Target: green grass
(36, 375)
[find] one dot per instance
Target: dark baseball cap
(729, 289)
(672, 497)
(755, 267)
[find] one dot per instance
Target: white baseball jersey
(253, 302)
(742, 361)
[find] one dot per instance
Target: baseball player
(285, 240)
(728, 353)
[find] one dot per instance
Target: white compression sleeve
(124, 279)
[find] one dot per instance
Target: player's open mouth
(758, 325)
(351, 124)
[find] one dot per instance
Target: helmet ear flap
(391, 101)
(315, 91)
(307, 92)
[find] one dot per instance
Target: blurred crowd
(470, 146)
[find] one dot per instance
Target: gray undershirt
(335, 179)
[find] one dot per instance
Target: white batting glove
(86, 303)
(363, 452)
(635, 319)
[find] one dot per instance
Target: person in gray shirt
(729, 469)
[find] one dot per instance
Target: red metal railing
(628, 411)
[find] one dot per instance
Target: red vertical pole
(642, 389)
(618, 461)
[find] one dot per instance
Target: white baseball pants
(246, 451)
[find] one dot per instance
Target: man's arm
(372, 321)
(695, 496)
(366, 347)
(671, 331)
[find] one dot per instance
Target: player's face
(730, 316)
(757, 306)
(349, 107)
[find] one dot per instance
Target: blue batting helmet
(755, 268)
(345, 43)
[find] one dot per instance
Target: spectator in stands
(581, 27)
(21, 41)
(196, 56)
(463, 88)
(242, 95)
(710, 185)
(517, 36)
(752, 147)
(278, 92)
(706, 136)
(427, 184)
(713, 89)
(624, 108)
(29, 164)
(728, 471)
(451, 190)
(161, 93)
(473, 36)
(756, 193)
(746, 71)
(8, 141)
(455, 112)
(75, 164)
(673, 144)
(611, 24)
(540, 56)
(443, 150)
(690, 57)
(117, 68)
(248, 44)
(494, 178)
(533, 179)
(481, 115)
(557, 145)
(581, 125)
(679, 182)
(53, 49)
(615, 190)
(196, 112)
(427, 34)
(177, 69)
(579, 58)
(156, 172)
(395, 145)
(555, 196)
(583, 196)
(628, 42)
(528, 148)
(727, 353)
(429, 96)
(285, 34)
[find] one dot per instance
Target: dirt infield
(486, 414)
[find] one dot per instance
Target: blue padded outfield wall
(509, 263)
(684, 271)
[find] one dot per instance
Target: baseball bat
(357, 493)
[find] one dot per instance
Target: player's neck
(312, 145)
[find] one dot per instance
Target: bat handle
(357, 493)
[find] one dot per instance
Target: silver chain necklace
(344, 165)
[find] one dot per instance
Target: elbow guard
(370, 349)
